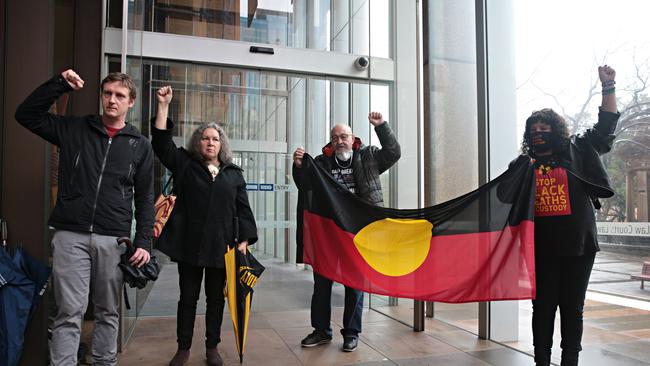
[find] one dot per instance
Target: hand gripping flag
(477, 247)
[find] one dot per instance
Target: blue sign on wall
(251, 187)
(266, 187)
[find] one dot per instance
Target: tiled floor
(616, 328)
(614, 334)
(274, 339)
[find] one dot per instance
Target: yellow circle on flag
(394, 247)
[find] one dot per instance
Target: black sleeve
(33, 111)
(390, 151)
(247, 226)
(296, 173)
(144, 200)
(165, 148)
(601, 136)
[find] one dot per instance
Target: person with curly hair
(210, 193)
(570, 178)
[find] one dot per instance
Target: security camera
(362, 63)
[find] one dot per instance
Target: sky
(559, 44)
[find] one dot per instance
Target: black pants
(321, 308)
(561, 281)
(189, 281)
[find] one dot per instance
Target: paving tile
(398, 341)
(634, 349)
(288, 319)
(614, 313)
(463, 340)
(385, 362)
(592, 335)
(594, 356)
(327, 354)
(263, 347)
(641, 333)
(621, 323)
(444, 360)
(503, 356)
(614, 335)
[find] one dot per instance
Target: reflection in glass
(266, 115)
(345, 26)
(450, 115)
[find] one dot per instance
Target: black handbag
(134, 276)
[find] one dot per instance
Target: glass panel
(378, 97)
(137, 297)
(380, 28)
(359, 20)
(451, 116)
(266, 115)
(380, 102)
(337, 25)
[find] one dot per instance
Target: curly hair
(550, 117)
(194, 145)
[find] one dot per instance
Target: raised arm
(33, 114)
(161, 133)
(601, 136)
(390, 151)
(607, 77)
(164, 96)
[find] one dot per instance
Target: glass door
(267, 116)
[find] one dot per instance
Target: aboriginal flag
(477, 247)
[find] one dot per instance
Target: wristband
(608, 91)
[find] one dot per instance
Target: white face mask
(344, 155)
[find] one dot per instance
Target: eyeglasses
(341, 137)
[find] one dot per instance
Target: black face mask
(544, 141)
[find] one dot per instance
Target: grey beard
(344, 155)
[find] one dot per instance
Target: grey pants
(83, 261)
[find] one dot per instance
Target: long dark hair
(194, 145)
(551, 118)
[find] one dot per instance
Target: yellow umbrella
(242, 272)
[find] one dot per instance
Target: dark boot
(181, 356)
(212, 354)
(570, 360)
(542, 358)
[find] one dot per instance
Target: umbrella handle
(126, 241)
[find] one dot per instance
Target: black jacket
(369, 162)
(201, 224)
(99, 177)
(583, 159)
